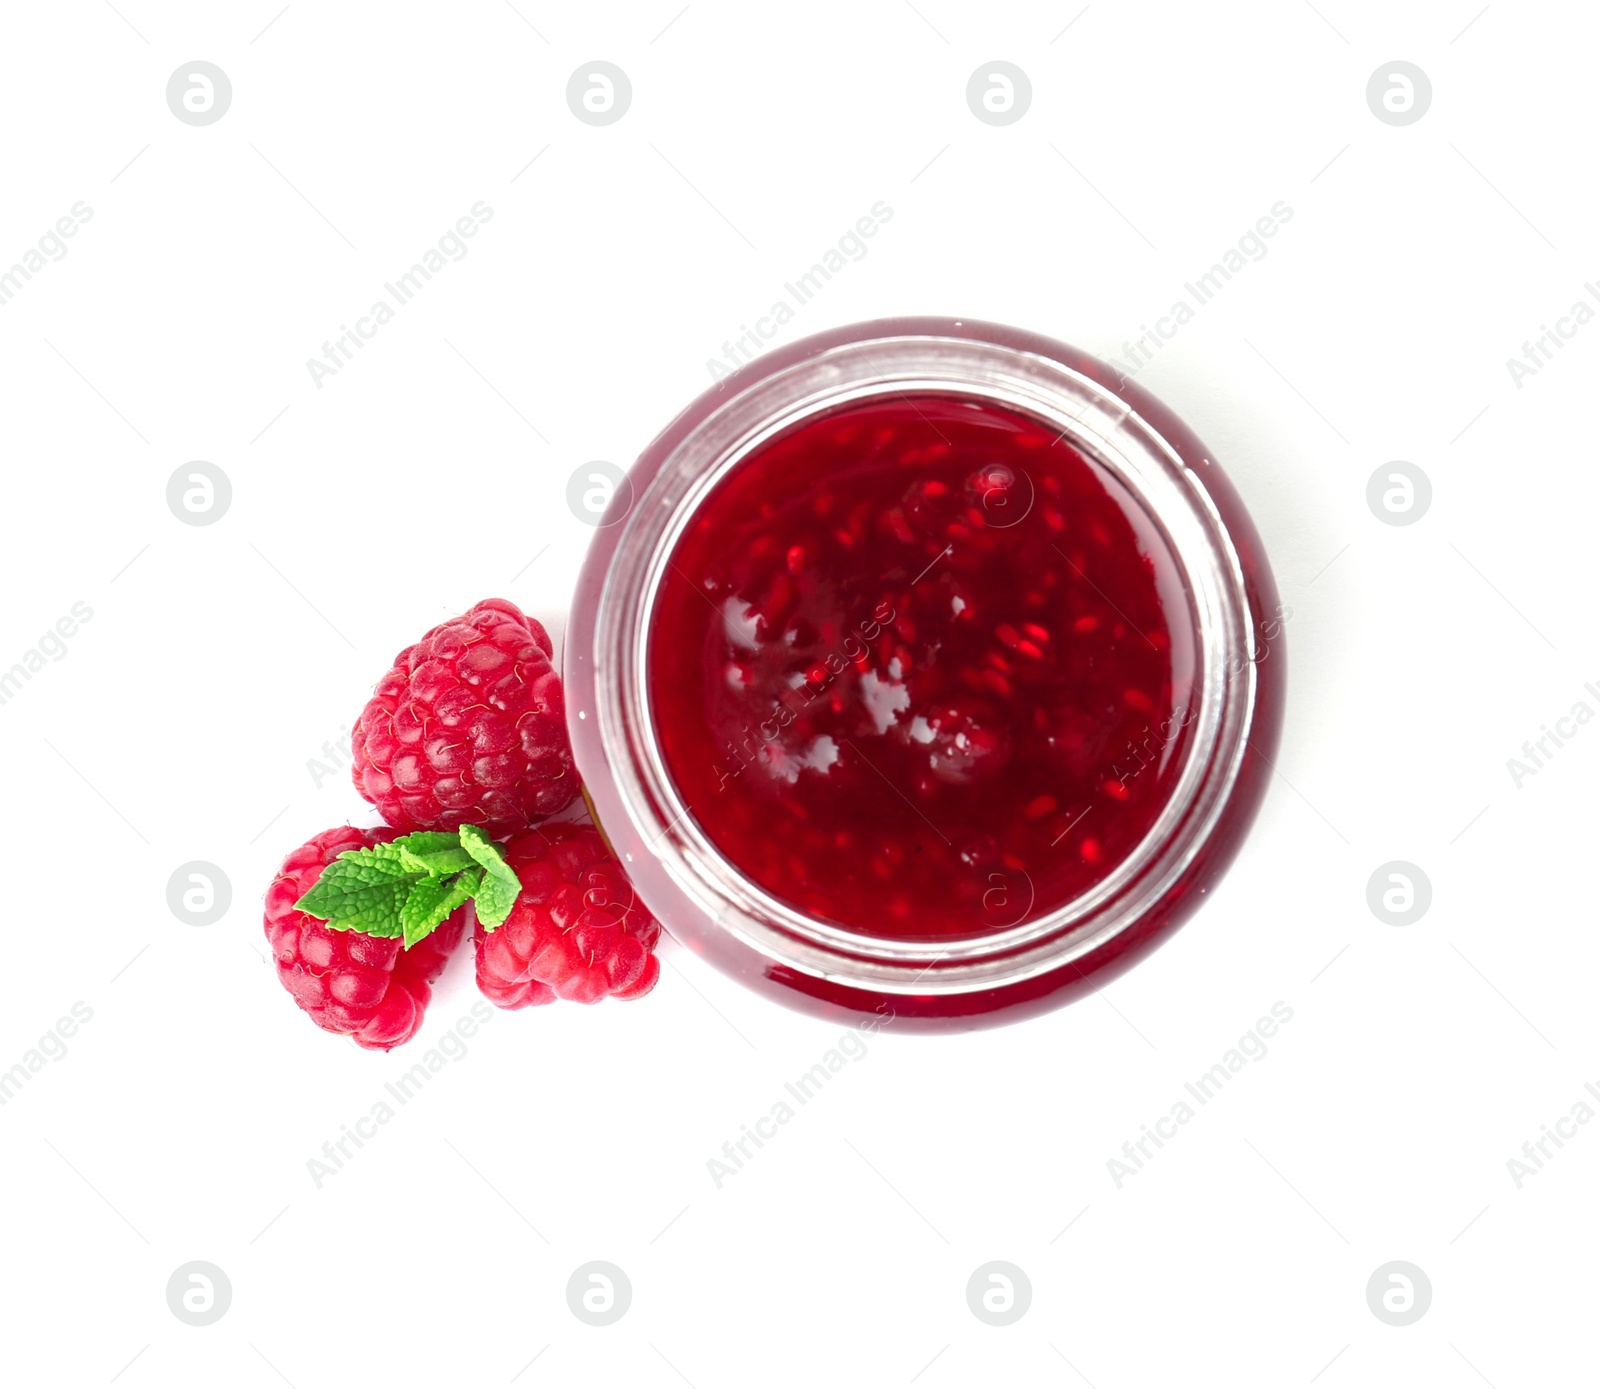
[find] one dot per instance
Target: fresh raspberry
(366, 987)
(576, 932)
(469, 727)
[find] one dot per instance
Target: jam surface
(921, 669)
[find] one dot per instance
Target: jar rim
(724, 428)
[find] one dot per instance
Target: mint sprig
(407, 887)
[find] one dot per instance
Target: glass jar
(1214, 775)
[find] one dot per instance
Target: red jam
(921, 669)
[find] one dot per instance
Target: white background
(431, 472)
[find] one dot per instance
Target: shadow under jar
(926, 669)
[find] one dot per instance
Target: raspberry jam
(920, 668)
(927, 669)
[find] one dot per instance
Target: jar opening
(920, 668)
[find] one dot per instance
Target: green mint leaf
(427, 841)
(495, 897)
(432, 900)
(497, 893)
(487, 852)
(429, 851)
(362, 890)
